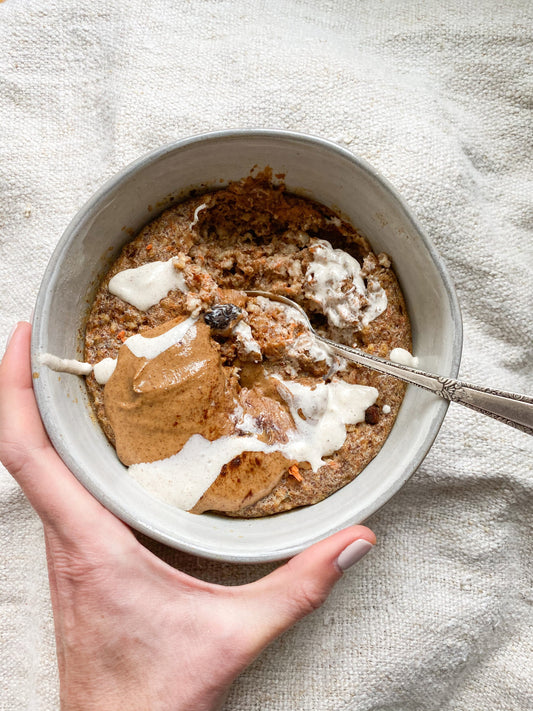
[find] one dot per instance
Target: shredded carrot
(148, 247)
(122, 335)
(295, 472)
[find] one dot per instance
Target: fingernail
(13, 329)
(352, 553)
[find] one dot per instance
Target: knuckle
(309, 595)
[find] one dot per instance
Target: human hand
(131, 631)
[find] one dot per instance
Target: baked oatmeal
(218, 400)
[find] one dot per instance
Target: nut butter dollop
(155, 405)
(252, 475)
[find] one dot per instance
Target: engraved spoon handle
(511, 408)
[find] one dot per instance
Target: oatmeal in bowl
(208, 417)
(222, 401)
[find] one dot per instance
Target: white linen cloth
(437, 96)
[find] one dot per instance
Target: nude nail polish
(353, 553)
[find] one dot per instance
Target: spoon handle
(513, 409)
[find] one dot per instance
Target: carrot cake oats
(217, 400)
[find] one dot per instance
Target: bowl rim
(93, 205)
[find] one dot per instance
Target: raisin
(221, 315)
(372, 415)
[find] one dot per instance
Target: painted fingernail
(13, 329)
(352, 553)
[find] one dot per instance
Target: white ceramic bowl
(314, 168)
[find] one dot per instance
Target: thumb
(274, 603)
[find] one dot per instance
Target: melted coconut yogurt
(146, 285)
(334, 281)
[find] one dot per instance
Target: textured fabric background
(437, 95)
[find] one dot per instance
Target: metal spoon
(513, 409)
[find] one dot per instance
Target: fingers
(19, 417)
(26, 451)
(276, 602)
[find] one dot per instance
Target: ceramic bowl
(314, 168)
